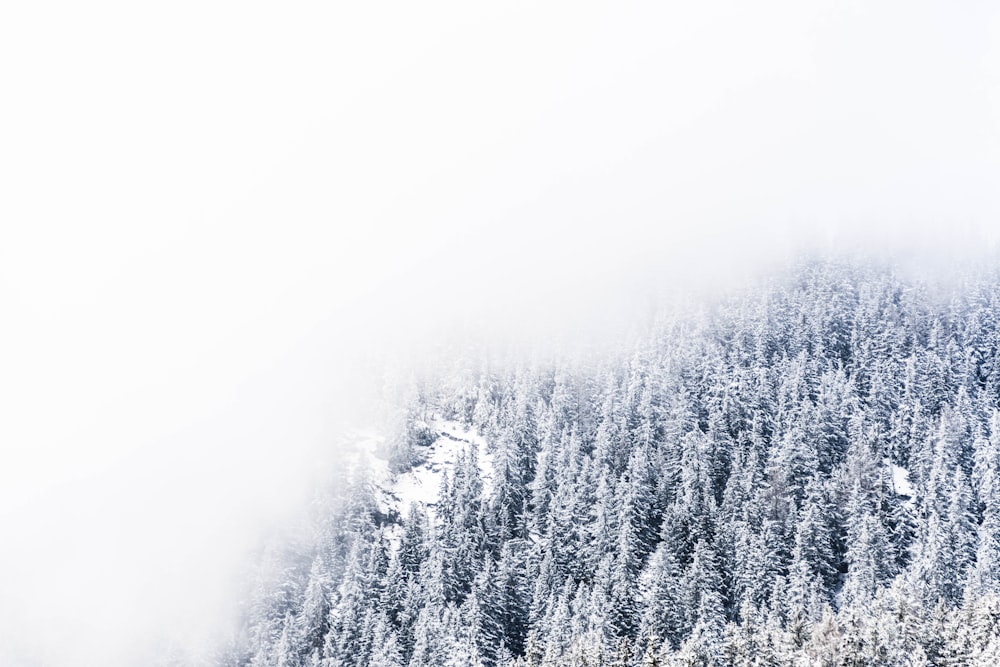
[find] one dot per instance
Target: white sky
(208, 208)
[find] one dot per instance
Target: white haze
(210, 210)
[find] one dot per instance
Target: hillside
(805, 473)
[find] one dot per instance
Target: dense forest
(803, 473)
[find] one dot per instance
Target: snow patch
(395, 494)
(422, 484)
(901, 484)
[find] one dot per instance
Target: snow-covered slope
(395, 493)
(423, 482)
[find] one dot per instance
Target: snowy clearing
(395, 494)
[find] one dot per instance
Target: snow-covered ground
(901, 484)
(395, 493)
(423, 482)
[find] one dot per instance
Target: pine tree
(664, 617)
(313, 621)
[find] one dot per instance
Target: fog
(209, 212)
